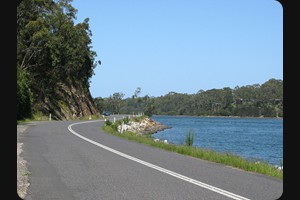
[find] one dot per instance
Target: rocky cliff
(67, 103)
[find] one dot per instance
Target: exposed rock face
(69, 102)
(146, 126)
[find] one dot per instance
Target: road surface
(72, 160)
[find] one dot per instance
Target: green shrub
(108, 123)
(189, 138)
(24, 95)
(126, 120)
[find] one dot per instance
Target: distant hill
(265, 100)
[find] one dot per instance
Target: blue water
(251, 138)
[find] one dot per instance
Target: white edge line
(182, 177)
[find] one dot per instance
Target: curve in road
(198, 183)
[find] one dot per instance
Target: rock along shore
(146, 126)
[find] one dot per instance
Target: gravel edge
(22, 171)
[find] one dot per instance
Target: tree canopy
(255, 100)
(52, 52)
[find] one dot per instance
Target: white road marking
(182, 177)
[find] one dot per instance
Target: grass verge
(205, 154)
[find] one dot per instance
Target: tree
(149, 106)
(271, 90)
(24, 96)
(137, 93)
(99, 103)
(116, 100)
(137, 99)
(53, 51)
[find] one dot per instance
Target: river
(255, 139)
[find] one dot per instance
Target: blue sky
(182, 45)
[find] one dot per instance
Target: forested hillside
(54, 61)
(255, 100)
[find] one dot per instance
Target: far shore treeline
(265, 100)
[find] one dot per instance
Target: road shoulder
(22, 171)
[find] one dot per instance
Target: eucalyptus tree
(53, 51)
(116, 101)
(149, 106)
(31, 39)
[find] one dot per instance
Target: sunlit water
(251, 138)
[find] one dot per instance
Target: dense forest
(265, 100)
(55, 61)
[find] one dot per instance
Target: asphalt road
(70, 160)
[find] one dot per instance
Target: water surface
(250, 138)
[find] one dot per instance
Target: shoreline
(228, 159)
(217, 116)
(145, 126)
